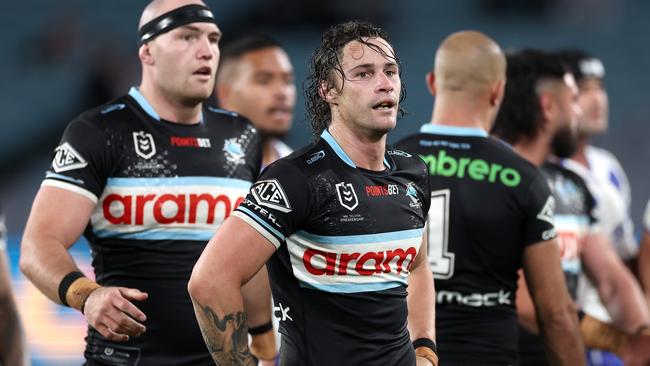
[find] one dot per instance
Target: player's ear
(546, 108)
(328, 92)
(430, 80)
(144, 53)
(497, 93)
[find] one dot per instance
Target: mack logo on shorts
(347, 196)
(269, 193)
(318, 262)
(67, 158)
(144, 144)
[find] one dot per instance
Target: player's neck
(449, 112)
(536, 151)
(169, 109)
(366, 151)
(581, 152)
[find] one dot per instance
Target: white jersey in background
(610, 188)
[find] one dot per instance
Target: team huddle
(495, 236)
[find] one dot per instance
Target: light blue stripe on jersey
(452, 130)
(352, 287)
(63, 177)
(142, 101)
(144, 104)
(254, 216)
(361, 239)
(339, 151)
(178, 181)
(158, 234)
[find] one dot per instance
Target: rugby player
(147, 178)
(604, 177)
(341, 223)
(539, 117)
(255, 79)
(491, 213)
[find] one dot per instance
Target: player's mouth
(280, 112)
(205, 72)
(386, 104)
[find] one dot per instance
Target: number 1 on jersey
(441, 260)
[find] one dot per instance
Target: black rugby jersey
(161, 190)
(487, 205)
(574, 205)
(345, 238)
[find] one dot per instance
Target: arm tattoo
(226, 337)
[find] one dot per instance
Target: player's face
(369, 97)
(185, 61)
(264, 91)
(594, 103)
(565, 140)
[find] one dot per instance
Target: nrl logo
(347, 195)
(67, 158)
(269, 193)
(144, 145)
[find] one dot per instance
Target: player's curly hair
(326, 61)
(520, 112)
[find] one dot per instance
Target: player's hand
(421, 361)
(266, 363)
(637, 351)
(111, 312)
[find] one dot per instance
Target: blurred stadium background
(59, 58)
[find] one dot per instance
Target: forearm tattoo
(226, 337)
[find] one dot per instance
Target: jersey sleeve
(278, 203)
(539, 213)
(80, 162)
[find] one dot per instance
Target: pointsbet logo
(475, 169)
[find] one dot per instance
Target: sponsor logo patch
(144, 144)
(546, 214)
(347, 196)
(315, 157)
(67, 158)
(269, 193)
(399, 153)
(190, 142)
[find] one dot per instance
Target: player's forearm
(421, 304)
(257, 299)
(625, 301)
(559, 327)
(220, 313)
(12, 345)
(45, 262)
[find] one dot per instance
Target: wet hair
(326, 63)
(520, 112)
